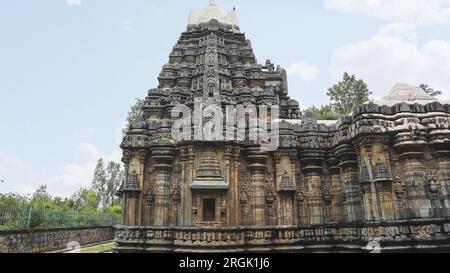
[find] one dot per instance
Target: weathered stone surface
(44, 240)
(387, 162)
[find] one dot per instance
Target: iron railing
(15, 218)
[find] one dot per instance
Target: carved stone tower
(346, 180)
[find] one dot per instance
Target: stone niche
(209, 191)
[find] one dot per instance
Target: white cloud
(127, 25)
(11, 160)
(73, 176)
(401, 30)
(3, 170)
(414, 11)
(304, 70)
(73, 2)
(390, 57)
(9, 163)
(66, 180)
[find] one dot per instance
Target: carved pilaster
(312, 167)
(163, 158)
(410, 145)
(442, 174)
(257, 166)
(337, 197)
(350, 182)
(375, 177)
(235, 186)
(188, 206)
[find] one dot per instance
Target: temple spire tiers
(381, 172)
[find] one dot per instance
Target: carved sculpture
(387, 162)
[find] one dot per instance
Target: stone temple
(378, 177)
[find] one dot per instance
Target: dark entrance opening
(209, 210)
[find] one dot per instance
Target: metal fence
(14, 218)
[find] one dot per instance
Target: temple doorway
(209, 210)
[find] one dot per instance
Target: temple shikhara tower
(378, 176)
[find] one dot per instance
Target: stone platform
(407, 236)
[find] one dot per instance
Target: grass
(99, 248)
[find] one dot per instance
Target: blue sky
(70, 69)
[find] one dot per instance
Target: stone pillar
(441, 155)
(187, 179)
(132, 215)
(235, 187)
(337, 197)
(293, 156)
(229, 198)
(142, 156)
(350, 182)
(416, 193)
(410, 148)
(183, 186)
(278, 203)
(439, 174)
(314, 194)
(126, 162)
(312, 167)
(163, 159)
(257, 166)
(375, 177)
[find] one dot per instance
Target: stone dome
(214, 12)
(406, 92)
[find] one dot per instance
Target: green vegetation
(323, 113)
(135, 114)
(344, 95)
(94, 206)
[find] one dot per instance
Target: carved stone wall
(381, 164)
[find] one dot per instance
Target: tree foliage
(13, 200)
(135, 114)
(430, 91)
(325, 112)
(344, 96)
(348, 93)
(106, 182)
(99, 183)
(86, 200)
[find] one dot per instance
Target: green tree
(135, 114)
(13, 200)
(430, 91)
(323, 113)
(100, 183)
(106, 182)
(116, 209)
(41, 199)
(86, 200)
(348, 93)
(114, 177)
